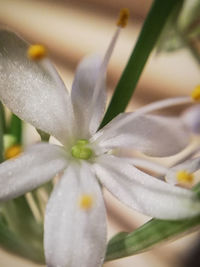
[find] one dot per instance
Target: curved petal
(148, 165)
(32, 90)
(191, 119)
(145, 193)
(75, 237)
(164, 103)
(190, 166)
(34, 167)
(153, 135)
(83, 90)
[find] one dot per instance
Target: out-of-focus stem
(2, 129)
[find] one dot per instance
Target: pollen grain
(196, 93)
(13, 152)
(36, 52)
(86, 202)
(123, 17)
(184, 177)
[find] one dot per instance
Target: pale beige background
(73, 29)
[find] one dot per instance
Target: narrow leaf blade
(148, 235)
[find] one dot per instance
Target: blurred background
(73, 29)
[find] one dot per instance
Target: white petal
(34, 167)
(83, 91)
(153, 135)
(161, 104)
(153, 107)
(191, 119)
(145, 193)
(190, 166)
(32, 90)
(75, 237)
(148, 165)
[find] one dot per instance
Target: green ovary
(81, 151)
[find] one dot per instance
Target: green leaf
(148, 37)
(146, 236)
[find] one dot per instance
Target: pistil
(81, 150)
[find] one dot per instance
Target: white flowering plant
(85, 160)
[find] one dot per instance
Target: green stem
(16, 128)
(148, 37)
(16, 209)
(2, 129)
(2, 117)
(22, 229)
(16, 244)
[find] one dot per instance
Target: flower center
(81, 151)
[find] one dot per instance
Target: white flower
(75, 222)
(182, 173)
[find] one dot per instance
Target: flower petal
(31, 89)
(34, 167)
(143, 192)
(148, 165)
(191, 119)
(83, 90)
(165, 103)
(189, 166)
(75, 237)
(153, 135)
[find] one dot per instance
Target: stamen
(196, 93)
(185, 177)
(13, 151)
(123, 17)
(81, 151)
(36, 52)
(121, 23)
(86, 202)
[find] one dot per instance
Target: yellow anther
(86, 202)
(13, 151)
(36, 52)
(123, 17)
(184, 177)
(196, 93)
